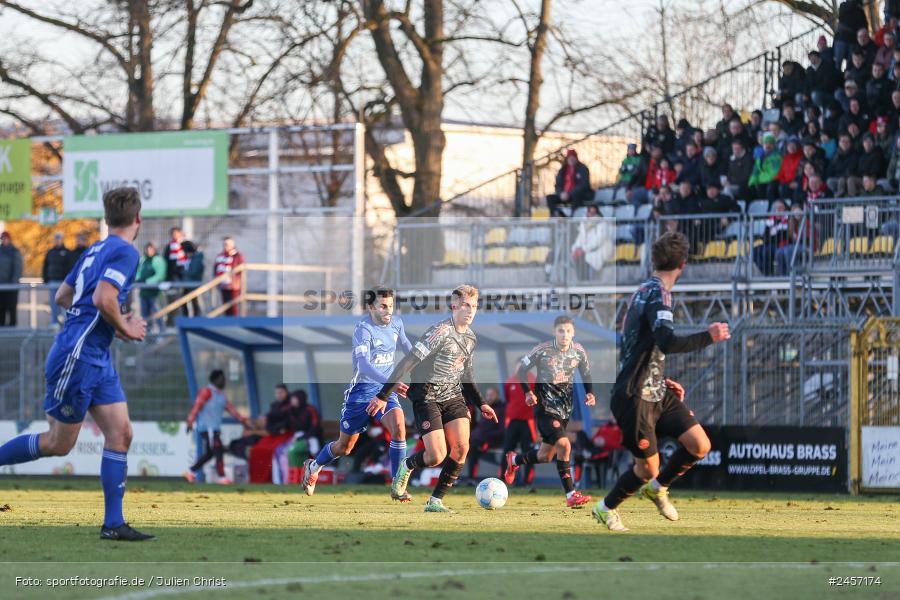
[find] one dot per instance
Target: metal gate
(875, 408)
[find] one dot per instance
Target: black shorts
(551, 427)
(641, 421)
(431, 416)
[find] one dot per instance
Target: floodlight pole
(358, 256)
(272, 226)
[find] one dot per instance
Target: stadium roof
(515, 332)
(269, 334)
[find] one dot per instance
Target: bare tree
(139, 46)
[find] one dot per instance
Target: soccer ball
(491, 493)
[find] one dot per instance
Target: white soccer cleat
(309, 477)
(607, 517)
(661, 499)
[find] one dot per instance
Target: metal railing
(244, 296)
(852, 236)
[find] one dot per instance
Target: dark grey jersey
(556, 375)
(446, 363)
(648, 334)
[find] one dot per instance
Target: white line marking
(517, 570)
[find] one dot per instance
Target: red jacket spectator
(516, 409)
(607, 438)
(663, 175)
(789, 162)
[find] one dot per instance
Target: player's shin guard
(23, 448)
(625, 487)
(528, 458)
(449, 474)
(396, 452)
(416, 461)
(678, 465)
(113, 470)
(565, 476)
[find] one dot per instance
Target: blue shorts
(355, 419)
(73, 386)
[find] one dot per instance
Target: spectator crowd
(833, 131)
(164, 275)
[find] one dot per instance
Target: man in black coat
(57, 263)
(573, 185)
(822, 78)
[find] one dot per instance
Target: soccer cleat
(191, 478)
(509, 475)
(577, 500)
(124, 533)
(403, 498)
(401, 480)
(660, 499)
(309, 477)
(610, 518)
(436, 506)
(225, 481)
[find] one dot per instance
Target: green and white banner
(15, 179)
(176, 173)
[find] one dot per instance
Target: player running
(80, 374)
(556, 362)
(442, 379)
(209, 407)
(375, 341)
(644, 402)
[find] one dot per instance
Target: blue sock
(23, 448)
(325, 456)
(397, 452)
(113, 470)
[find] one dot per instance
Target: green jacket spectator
(766, 167)
(151, 270)
(629, 166)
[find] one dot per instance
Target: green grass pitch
(273, 542)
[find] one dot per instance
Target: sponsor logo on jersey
(384, 358)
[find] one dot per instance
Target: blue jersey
(373, 356)
(86, 336)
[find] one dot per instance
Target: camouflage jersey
(556, 375)
(445, 365)
(648, 334)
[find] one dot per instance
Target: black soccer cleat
(124, 533)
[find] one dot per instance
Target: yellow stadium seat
(714, 250)
(859, 245)
(495, 236)
(734, 248)
(540, 213)
(626, 252)
(638, 252)
(495, 256)
(538, 254)
(827, 248)
(698, 257)
(453, 258)
(883, 246)
(517, 255)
